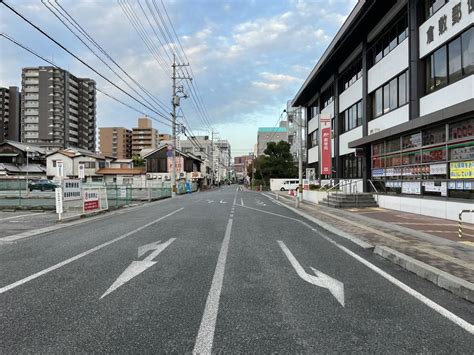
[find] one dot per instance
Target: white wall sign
(58, 194)
(123, 192)
(450, 20)
(60, 168)
(81, 169)
(72, 189)
(438, 169)
(411, 187)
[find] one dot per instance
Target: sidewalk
(432, 241)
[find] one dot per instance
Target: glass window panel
(386, 98)
(359, 113)
(386, 44)
(402, 89)
(393, 38)
(468, 51)
(378, 102)
(402, 29)
(429, 73)
(440, 67)
(378, 51)
(454, 52)
(393, 94)
(431, 155)
(393, 145)
(434, 135)
(463, 129)
(411, 141)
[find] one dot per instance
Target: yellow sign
(461, 170)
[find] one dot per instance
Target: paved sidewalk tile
(390, 228)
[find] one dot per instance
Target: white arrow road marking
(210, 201)
(321, 280)
(137, 267)
(221, 201)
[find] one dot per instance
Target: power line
(11, 39)
(80, 60)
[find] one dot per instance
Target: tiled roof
(121, 171)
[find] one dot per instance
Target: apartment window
(88, 164)
(391, 37)
(450, 62)
(352, 117)
(390, 95)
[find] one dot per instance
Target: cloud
(266, 86)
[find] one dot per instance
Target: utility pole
(175, 100)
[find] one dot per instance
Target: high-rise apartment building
(165, 137)
(58, 110)
(116, 142)
(144, 136)
(9, 114)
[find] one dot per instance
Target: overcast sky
(248, 56)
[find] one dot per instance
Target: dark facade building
(58, 110)
(397, 85)
(10, 114)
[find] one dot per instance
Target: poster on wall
(325, 139)
(411, 187)
(461, 170)
(179, 164)
(438, 169)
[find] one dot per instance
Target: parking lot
(21, 221)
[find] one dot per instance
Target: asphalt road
(221, 271)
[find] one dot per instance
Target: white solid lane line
(81, 255)
(205, 337)
(434, 306)
(23, 215)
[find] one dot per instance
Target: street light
(27, 168)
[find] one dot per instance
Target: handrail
(373, 186)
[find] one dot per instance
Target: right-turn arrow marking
(321, 280)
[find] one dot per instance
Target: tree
(138, 161)
(277, 163)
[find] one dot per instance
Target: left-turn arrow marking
(137, 267)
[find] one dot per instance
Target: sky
(247, 57)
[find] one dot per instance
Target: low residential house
(134, 177)
(122, 163)
(72, 158)
(159, 166)
(22, 159)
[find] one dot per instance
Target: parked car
(42, 185)
(290, 185)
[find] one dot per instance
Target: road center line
(433, 305)
(81, 255)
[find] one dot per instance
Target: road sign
(81, 173)
(59, 168)
(72, 189)
(170, 147)
(91, 200)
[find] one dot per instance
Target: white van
(290, 185)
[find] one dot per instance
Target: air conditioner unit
(167, 178)
(149, 176)
(181, 175)
(374, 130)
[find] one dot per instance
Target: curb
(456, 285)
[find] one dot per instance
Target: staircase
(344, 200)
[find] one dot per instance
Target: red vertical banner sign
(325, 144)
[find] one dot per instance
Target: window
(327, 97)
(402, 89)
(351, 166)
(351, 75)
(391, 37)
(393, 145)
(451, 62)
(411, 141)
(463, 129)
(432, 6)
(467, 39)
(434, 135)
(352, 117)
(390, 96)
(88, 164)
(455, 66)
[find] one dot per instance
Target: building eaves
(329, 51)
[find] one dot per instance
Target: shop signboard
(378, 172)
(325, 139)
(179, 160)
(461, 170)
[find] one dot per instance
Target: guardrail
(460, 221)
